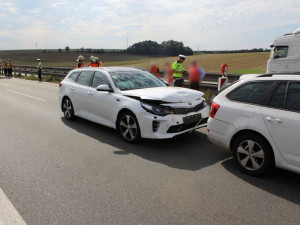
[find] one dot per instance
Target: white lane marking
(8, 213)
(26, 95)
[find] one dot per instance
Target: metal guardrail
(209, 82)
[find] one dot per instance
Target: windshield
(130, 80)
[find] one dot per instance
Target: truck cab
(285, 54)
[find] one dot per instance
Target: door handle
(90, 93)
(72, 88)
(273, 120)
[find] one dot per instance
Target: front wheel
(253, 154)
(128, 127)
(68, 109)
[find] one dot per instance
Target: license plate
(192, 118)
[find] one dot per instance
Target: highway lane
(59, 172)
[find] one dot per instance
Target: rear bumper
(220, 133)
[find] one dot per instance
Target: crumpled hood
(165, 94)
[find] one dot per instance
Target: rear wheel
(128, 127)
(68, 109)
(253, 154)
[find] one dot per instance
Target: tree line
(168, 48)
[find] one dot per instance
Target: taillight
(214, 109)
(60, 84)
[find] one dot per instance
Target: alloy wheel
(128, 127)
(250, 155)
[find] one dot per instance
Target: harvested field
(237, 62)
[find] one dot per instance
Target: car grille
(183, 127)
(188, 110)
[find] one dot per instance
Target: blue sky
(211, 25)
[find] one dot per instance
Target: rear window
(250, 92)
(74, 76)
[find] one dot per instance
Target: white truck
(285, 54)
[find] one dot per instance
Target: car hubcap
(67, 108)
(250, 155)
(128, 127)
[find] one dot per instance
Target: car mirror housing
(104, 87)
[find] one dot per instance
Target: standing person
(9, 68)
(5, 68)
(93, 61)
(39, 67)
(80, 61)
(195, 75)
(177, 68)
(154, 69)
(0, 66)
(168, 74)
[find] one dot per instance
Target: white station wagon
(258, 119)
(133, 101)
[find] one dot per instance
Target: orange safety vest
(155, 70)
(194, 74)
(93, 64)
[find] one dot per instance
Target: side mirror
(104, 87)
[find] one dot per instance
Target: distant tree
(170, 47)
(59, 50)
(82, 49)
(67, 48)
(145, 48)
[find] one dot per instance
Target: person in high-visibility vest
(93, 61)
(5, 68)
(177, 68)
(9, 68)
(39, 67)
(80, 61)
(154, 69)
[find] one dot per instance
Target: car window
(280, 52)
(250, 92)
(74, 76)
(278, 98)
(293, 96)
(129, 80)
(99, 79)
(85, 78)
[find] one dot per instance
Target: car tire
(253, 154)
(68, 109)
(128, 127)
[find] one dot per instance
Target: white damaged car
(133, 101)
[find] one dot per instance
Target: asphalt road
(58, 172)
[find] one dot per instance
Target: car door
(282, 118)
(103, 105)
(80, 96)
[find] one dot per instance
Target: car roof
(283, 76)
(113, 68)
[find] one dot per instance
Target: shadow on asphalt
(187, 152)
(281, 183)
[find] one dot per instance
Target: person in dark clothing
(9, 69)
(39, 67)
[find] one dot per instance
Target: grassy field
(239, 63)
